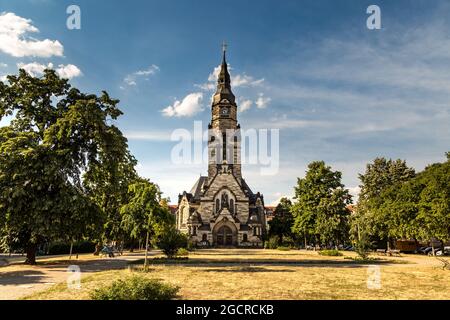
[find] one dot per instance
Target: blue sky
(337, 91)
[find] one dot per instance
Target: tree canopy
(320, 211)
(281, 224)
(59, 157)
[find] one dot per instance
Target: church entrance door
(224, 236)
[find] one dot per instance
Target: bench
(393, 253)
(107, 252)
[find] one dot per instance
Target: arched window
(232, 206)
(245, 238)
(217, 205)
(204, 237)
(181, 215)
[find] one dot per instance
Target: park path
(18, 281)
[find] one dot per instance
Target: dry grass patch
(420, 278)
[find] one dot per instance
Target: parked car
(427, 250)
(421, 249)
(444, 252)
(430, 252)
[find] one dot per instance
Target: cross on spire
(224, 50)
(224, 47)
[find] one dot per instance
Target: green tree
(320, 212)
(144, 214)
(57, 134)
(420, 207)
(433, 219)
(281, 224)
(170, 240)
(380, 177)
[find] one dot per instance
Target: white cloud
(190, 105)
(262, 102)
(238, 80)
(278, 200)
(150, 70)
(68, 71)
(3, 65)
(354, 191)
(34, 68)
(149, 135)
(244, 104)
(241, 80)
(132, 79)
(15, 42)
(64, 71)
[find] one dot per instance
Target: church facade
(221, 210)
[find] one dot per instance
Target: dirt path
(17, 281)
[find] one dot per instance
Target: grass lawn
(273, 274)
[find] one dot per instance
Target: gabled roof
(173, 208)
(247, 188)
(196, 190)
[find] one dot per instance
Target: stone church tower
(221, 209)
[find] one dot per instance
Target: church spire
(224, 80)
(224, 50)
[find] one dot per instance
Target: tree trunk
(432, 248)
(146, 251)
(306, 243)
(31, 254)
(71, 248)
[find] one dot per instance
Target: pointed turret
(224, 82)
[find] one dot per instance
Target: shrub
(56, 248)
(170, 241)
(332, 253)
(272, 243)
(289, 242)
(136, 287)
(182, 252)
(363, 246)
(191, 246)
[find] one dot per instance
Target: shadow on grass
(248, 269)
(87, 266)
(25, 277)
(271, 262)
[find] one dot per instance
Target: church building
(221, 210)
